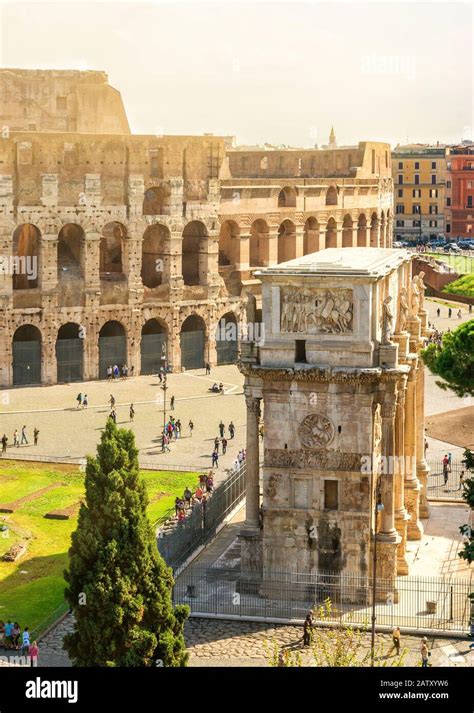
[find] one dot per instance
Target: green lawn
(462, 286)
(463, 264)
(33, 588)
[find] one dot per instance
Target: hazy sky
(281, 72)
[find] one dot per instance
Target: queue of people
(13, 639)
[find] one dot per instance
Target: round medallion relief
(316, 431)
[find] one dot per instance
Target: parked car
(452, 248)
(466, 244)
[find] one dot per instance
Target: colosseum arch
(229, 243)
(310, 236)
(193, 342)
(154, 245)
(156, 201)
(26, 350)
(70, 352)
(154, 346)
(227, 339)
(286, 241)
(331, 195)
(26, 257)
(111, 248)
(347, 231)
(287, 197)
(331, 233)
(70, 257)
(362, 231)
(112, 346)
(258, 253)
(194, 249)
(374, 231)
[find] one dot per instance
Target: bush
(462, 286)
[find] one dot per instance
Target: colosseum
(137, 249)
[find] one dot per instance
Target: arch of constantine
(343, 333)
(127, 249)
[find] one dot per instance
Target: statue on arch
(387, 320)
(403, 309)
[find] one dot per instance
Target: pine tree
(119, 587)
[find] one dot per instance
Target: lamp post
(378, 507)
(164, 388)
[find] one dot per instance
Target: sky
(276, 72)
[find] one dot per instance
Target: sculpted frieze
(316, 312)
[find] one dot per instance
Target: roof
(370, 262)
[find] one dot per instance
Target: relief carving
(316, 431)
(316, 312)
(330, 460)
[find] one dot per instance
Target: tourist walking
(396, 639)
(438, 311)
(231, 429)
(116, 371)
(25, 642)
(112, 401)
(216, 444)
(79, 400)
(308, 627)
(224, 446)
(178, 429)
(23, 436)
(35, 436)
(109, 373)
(461, 480)
(164, 443)
(132, 412)
(191, 427)
(4, 443)
(208, 368)
(33, 654)
(16, 440)
(221, 429)
(113, 416)
(445, 468)
(450, 312)
(172, 403)
(85, 402)
(425, 654)
(215, 459)
(187, 497)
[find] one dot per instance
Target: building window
(469, 202)
(417, 166)
(400, 179)
(417, 223)
(331, 495)
(400, 165)
(433, 223)
(469, 228)
(61, 103)
(400, 192)
(300, 351)
(448, 201)
(400, 223)
(416, 208)
(433, 209)
(433, 192)
(400, 208)
(433, 165)
(416, 193)
(448, 184)
(417, 179)
(448, 228)
(154, 165)
(433, 179)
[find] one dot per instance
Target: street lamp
(378, 507)
(164, 388)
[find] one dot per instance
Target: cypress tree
(119, 587)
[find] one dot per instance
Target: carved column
(271, 251)
(401, 515)
(412, 484)
(299, 239)
(422, 468)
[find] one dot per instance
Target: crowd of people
(20, 438)
(13, 639)
(115, 372)
(190, 499)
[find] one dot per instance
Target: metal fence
(177, 544)
(438, 489)
(436, 603)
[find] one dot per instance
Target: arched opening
(154, 347)
(155, 241)
(111, 247)
(347, 232)
(26, 257)
(311, 236)
(382, 230)
(112, 347)
(227, 339)
(193, 340)
(156, 201)
(70, 251)
(374, 230)
(331, 234)
(194, 253)
(331, 195)
(26, 349)
(287, 198)
(229, 243)
(70, 352)
(258, 256)
(362, 231)
(286, 241)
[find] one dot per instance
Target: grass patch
(462, 264)
(33, 588)
(463, 286)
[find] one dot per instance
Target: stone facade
(342, 402)
(133, 249)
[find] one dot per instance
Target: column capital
(253, 404)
